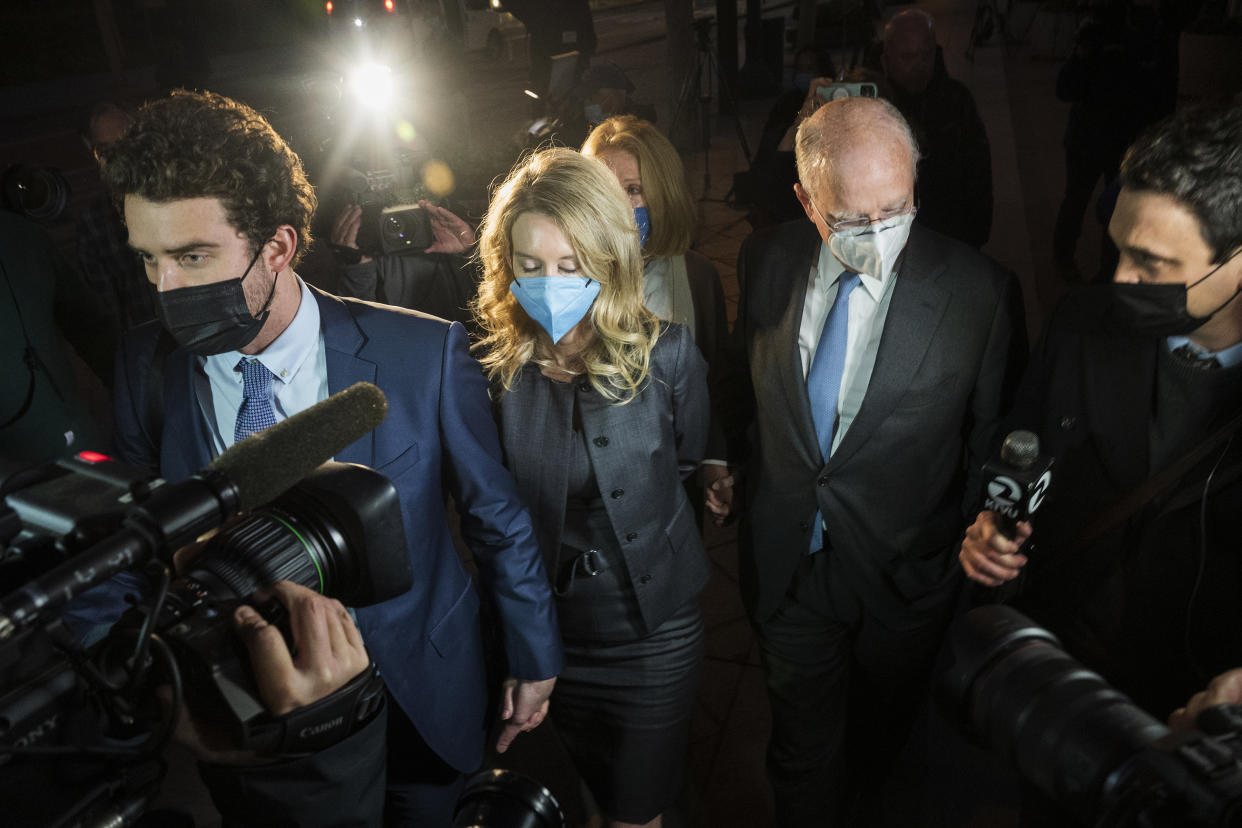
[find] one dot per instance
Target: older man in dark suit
(873, 358)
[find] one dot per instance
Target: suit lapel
(786, 385)
(182, 417)
(343, 341)
(913, 316)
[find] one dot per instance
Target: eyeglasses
(854, 226)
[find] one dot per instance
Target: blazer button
(616, 493)
(646, 579)
(823, 481)
(601, 441)
(584, 385)
(631, 537)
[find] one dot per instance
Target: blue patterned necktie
(256, 411)
(823, 381)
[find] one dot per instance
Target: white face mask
(872, 250)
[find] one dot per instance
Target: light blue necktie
(823, 381)
(256, 411)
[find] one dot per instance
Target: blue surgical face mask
(557, 303)
(644, 225)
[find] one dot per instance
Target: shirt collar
(290, 350)
(1228, 357)
(830, 271)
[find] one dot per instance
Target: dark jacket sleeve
(341, 786)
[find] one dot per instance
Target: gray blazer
(895, 494)
(640, 452)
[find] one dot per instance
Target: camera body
(389, 231)
(338, 531)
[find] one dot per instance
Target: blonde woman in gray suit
(603, 411)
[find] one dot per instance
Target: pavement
(1012, 81)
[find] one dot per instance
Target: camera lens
(338, 532)
(505, 799)
(1060, 724)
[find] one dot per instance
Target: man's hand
(523, 707)
(329, 649)
(345, 229)
(453, 235)
(989, 557)
(330, 654)
(717, 484)
(1224, 689)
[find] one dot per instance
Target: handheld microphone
(248, 474)
(1017, 481)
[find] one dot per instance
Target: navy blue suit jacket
(438, 439)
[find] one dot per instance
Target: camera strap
(324, 723)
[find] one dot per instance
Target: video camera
(81, 727)
(1080, 741)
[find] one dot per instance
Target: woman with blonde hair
(679, 284)
(602, 411)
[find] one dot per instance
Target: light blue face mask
(557, 303)
(644, 225)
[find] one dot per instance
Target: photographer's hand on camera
(523, 706)
(345, 229)
(1224, 689)
(989, 557)
(328, 654)
(453, 234)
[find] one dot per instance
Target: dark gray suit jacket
(640, 452)
(894, 494)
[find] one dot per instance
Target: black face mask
(1160, 310)
(214, 318)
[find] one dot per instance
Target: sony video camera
(81, 726)
(1080, 741)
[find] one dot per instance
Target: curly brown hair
(204, 145)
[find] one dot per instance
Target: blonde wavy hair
(582, 198)
(669, 204)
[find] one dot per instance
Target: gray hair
(838, 125)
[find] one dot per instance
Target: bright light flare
(531, 93)
(496, 5)
(358, 22)
(328, 5)
(389, 5)
(373, 85)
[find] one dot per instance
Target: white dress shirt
(868, 309)
(298, 363)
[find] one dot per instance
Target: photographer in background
(1136, 391)
(439, 280)
(219, 209)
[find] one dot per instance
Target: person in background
(603, 411)
(108, 264)
(955, 171)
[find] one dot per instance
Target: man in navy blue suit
(218, 209)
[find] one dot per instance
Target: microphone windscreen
(265, 464)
